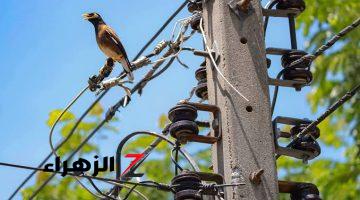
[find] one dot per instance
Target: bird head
(92, 17)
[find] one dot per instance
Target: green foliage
(161, 169)
(158, 168)
(335, 73)
(67, 188)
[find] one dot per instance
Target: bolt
(255, 177)
(243, 5)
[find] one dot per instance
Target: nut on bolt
(255, 177)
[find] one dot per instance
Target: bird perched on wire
(109, 43)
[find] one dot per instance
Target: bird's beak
(86, 16)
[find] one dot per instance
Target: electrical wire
(175, 160)
(147, 152)
(110, 113)
(162, 137)
(327, 45)
(276, 92)
(151, 184)
(269, 5)
(322, 117)
(214, 62)
(61, 115)
(152, 39)
(167, 22)
(312, 57)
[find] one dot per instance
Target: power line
(99, 98)
(322, 117)
(151, 184)
(327, 45)
(113, 109)
(312, 57)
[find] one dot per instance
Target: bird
(108, 42)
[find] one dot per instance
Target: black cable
(322, 117)
(110, 113)
(174, 160)
(151, 184)
(100, 97)
(133, 188)
(57, 147)
(128, 137)
(328, 44)
(98, 189)
(115, 191)
(176, 149)
(130, 191)
(167, 22)
(266, 21)
(276, 92)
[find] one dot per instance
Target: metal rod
(292, 31)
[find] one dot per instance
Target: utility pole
(247, 145)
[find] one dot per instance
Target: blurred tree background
(334, 74)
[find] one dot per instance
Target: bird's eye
(91, 14)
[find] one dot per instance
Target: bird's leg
(104, 72)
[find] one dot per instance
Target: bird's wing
(111, 35)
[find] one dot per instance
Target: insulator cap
(182, 112)
(195, 6)
(183, 127)
(315, 132)
(291, 4)
(186, 186)
(306, 191)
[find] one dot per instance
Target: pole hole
(249, 108)
(243, 40)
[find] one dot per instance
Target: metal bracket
(210, 177)
(287, 83)
(279, 82)
(298, 190)
(280, 13)
(215, 125)
(295, 153)
(278, 51)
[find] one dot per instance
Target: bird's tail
(127, 67)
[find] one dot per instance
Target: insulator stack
(201, 89)
(183, 118)
(186, 186)
(306, 192)
(291, 4)
(195, 20)
(195, 6)
(299, 72)
(307, 142)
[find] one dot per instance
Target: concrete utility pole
(247, 144)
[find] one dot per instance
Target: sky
(48, 52)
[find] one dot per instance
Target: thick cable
(61, 115)
(150, 184)
(111, 112)
(327, 45)
(162, 137)
(167, 22)
(269, 5)
(322, 117)
(276, 92)
(101, 96)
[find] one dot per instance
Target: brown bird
(108, 42)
